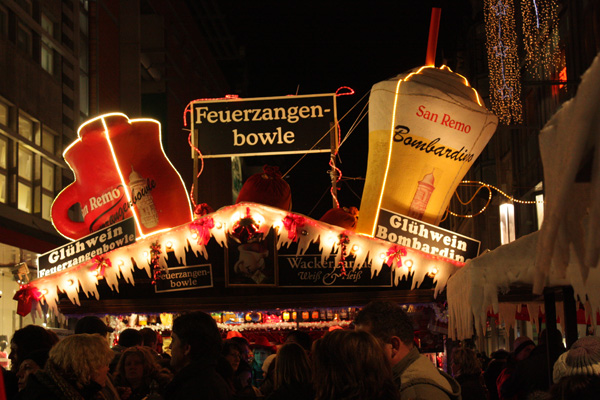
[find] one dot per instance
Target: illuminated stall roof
(287, 228)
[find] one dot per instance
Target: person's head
(389, 323)
(83, 358)
(195, 338)
(522, 347)
(500, 354)
(350, 362)
(291, 365)
(136, 365)
(261, 349)
(149, 337)
(28, 340)
(300, 337)
(244, 346)
(31, 363)
(584, 357)
(130, 337)
(92, 324)
(232, 353)
(465, 362)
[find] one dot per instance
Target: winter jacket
(295, 391)
(419, 379)
(49, 384)
(197, 381)
(472, 387)
(531, 374)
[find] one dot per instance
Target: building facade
(63, 62)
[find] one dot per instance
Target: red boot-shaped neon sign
(120, 171)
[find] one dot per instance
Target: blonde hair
(77, 357)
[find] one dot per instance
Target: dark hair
(292, 366)
(149, 336)
(385, 319)
(199, 330)
(351, 365)
(38, 356)
(230, 344)
(300, 337)
(92, 324)
(242, 341)
(130, 337)
(466, 360)
(500, 354)
(28, 340)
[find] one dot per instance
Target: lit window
(83, 21)
(48, 139)
(3, 166)
(24, 203)
(25, 164)
(507, 223)
(2, 188)
(47, 56)
(46, 206)
(3, 151)
(47, 176)
(26, 127)
(3, 114)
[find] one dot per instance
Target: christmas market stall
(140, 245)
(565, 252)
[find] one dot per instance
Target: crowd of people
(377, 360)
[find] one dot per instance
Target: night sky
(305, 47)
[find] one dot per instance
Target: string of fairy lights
(540, 37)
(543, 57)
(481, 186)
(503, 61)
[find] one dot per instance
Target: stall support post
(570, 322)
(550, 307)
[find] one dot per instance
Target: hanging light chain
(489, 188)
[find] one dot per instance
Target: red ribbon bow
(394, 254)
(101, 264)
(203, 209)
(246, 228)
(25, 296)
(293, 223)
(202, 227)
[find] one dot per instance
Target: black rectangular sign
(419, 235)
(308, 271)
(272, 125)
(184, 278)
(74, 253)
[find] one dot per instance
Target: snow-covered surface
(566, 250)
